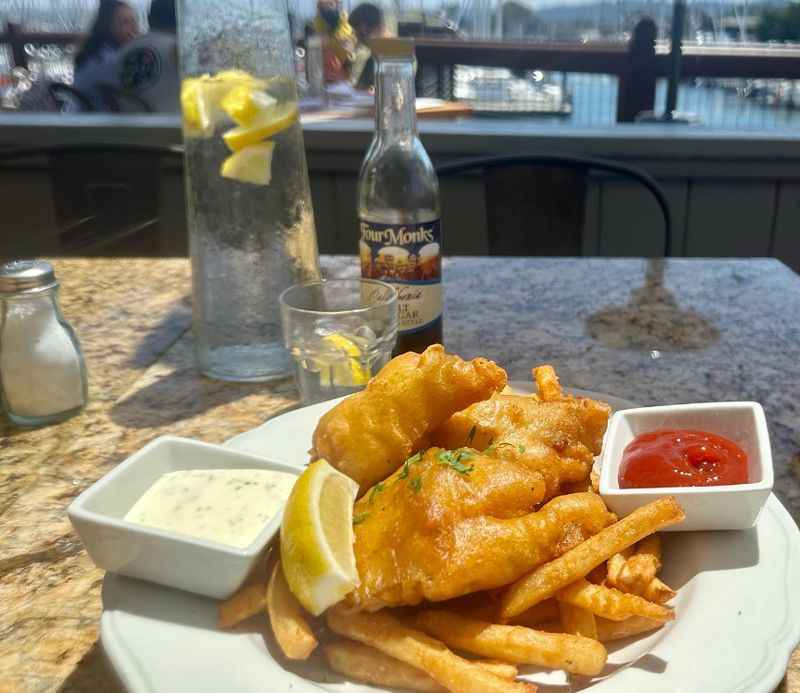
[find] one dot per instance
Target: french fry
(364, 663)
(641, 567)
(504, 670)
(656, 591)
(612, 630)
(577, 621)
(246, 602)
(594, 481)
(541, 612)
(616, 630)
(383, 631)
(610, 603)
(547, 383)
(547, 579)
(287, 618)
(573, 653)
(614, 566)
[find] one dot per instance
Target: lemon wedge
(244, 104)
(232, 77)
(252, 164)
(192, 121)
(202, 98)
(268, 123)
(317, 537)
(351, 373)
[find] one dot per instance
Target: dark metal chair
(118, 100)
(92, 200)
(65, 96)
(517, 190)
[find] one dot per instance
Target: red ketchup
(682, 458)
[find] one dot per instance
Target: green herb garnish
(414, 459)
(454, 460)
(521, 449)
(358, 519)
(376, 489)
(416, 484)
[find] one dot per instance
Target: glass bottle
(42, 371)
(251, 222)
(398, 202)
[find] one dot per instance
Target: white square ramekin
(706, 507)
(196, 565)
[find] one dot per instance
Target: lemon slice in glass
(349, 373)
(244, 104)
(268, 123)
(317, 537)
(252, 164)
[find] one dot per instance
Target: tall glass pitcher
(251, 223)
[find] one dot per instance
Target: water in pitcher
(246, 240)
(250, 217)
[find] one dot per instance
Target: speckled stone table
(649, 331)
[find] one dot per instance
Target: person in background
(368, 22)
(146, 69)
(339, 40)
(114, 26)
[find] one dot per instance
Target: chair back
(536, 203)
(104, 200)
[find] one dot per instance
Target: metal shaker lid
(20, 276)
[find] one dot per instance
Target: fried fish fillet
(451, 523)
(368, 435)
(557, 437)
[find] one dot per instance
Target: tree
(779, 24)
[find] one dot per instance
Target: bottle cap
(23, 276)
(392, 47)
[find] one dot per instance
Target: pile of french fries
(558, 616)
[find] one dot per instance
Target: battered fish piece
(452, 523)
(558, 436)
(368, 435)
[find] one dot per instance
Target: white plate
(738, 610)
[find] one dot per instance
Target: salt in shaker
(42, 372)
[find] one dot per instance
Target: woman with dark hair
(114, 26)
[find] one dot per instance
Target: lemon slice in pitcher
(244, 104)
(252, 164)
(269, 122)
(202, 98)
(317, 537)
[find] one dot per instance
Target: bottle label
(408, 256)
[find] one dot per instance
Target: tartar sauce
(229, 506)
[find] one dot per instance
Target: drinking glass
(340, 333)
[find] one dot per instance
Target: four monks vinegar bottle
(398, 202)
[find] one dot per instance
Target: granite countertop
(648, 331)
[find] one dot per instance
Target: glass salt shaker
(42, 372)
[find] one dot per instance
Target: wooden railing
(636, 65)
